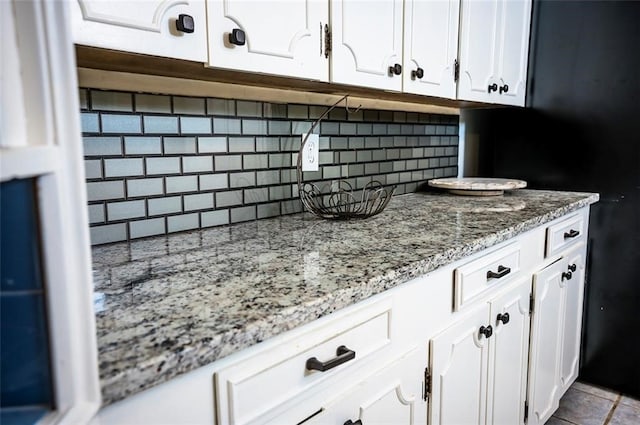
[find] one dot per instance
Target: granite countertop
(167, 305)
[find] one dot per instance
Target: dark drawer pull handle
(492, 87)
(571, 234)
(395, 70)
(185, 23)
(502, 272)
(486, 331)
(350, 422)
(237, 37)
(504, 318)
(566, 276)
(343, 356)
(572, 267)
(503, 89)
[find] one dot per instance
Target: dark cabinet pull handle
(395, 69)
(572, 267)
(350, 422)
(566, 276)
(418, 73)
(185, 23)
(504, 89)
(343, 355)
(492, 87)
(502, 272)
(237, 37)
(504, 318)
(486, 331)
(571, 234)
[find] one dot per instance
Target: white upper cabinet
(169, 28)
(282, 37)
(494, 48)
(430, 47)
(367, 43)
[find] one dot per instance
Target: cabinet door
(514, 51)
(509, 355)
(367, 40)
(430, 47)
(459, 371)
(479, 33)
(572, 328)
(494, 48)
(544, 364)
(147, 27)
(393, 395)
(282, 37)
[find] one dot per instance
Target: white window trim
(49, 148)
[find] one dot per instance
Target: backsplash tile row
(159, 164)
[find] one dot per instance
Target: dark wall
(581, 131)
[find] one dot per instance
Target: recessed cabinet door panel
(574, 288)
(393, 395)
(544, 363)
(367, 40)
(282, 37)
(479, 33)
(147, 27)
(514, 49)
(509, 357)
(459, 372)
(431, 47)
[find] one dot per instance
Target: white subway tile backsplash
(152, 103)
(195, 125)
(145, 187)
(111, 101)
(100, 191)
(200, 201)
(168, 165)
(120, 124)
(124, 210)
(188, 105)
(214, 218)
(150, 227)
(195, 164)
(123, 167)
(242, 179)
(134, 145)
(241, 144)
(178, 223)
(228, 162)
(89, 122)
(160, 125)
(166, 205)
(243, 214)
(191, 162)
(93, 169)
(181, 184)
(108, 233)
(213, 181)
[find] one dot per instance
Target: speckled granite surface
(167, 305)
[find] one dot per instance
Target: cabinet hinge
(327, 41)
(526, 411)
(426, 389)
(456, 70)
(531, 303)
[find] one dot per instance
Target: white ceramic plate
(477, 186)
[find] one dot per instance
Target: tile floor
(585, 404)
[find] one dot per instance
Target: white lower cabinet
(556, 327)
(393, 395)
(478, 365)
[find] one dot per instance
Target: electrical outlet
(311, 153)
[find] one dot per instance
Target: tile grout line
(612, 410)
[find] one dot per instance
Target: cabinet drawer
(251, 391)
(489, 271)
(564, 234)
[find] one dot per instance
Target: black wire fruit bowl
(340, 201)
